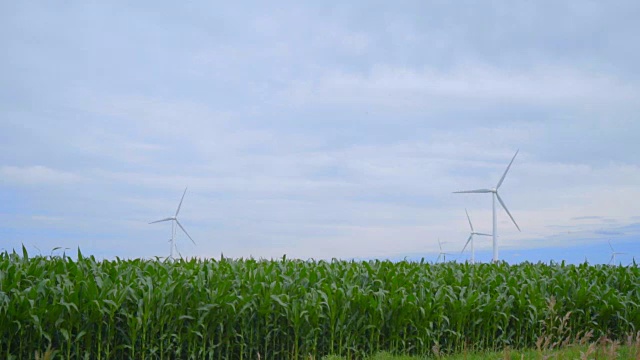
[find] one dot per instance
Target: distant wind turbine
(442, 254)
(470, 239)
(174, 222)
(613, 254)
(494, 191)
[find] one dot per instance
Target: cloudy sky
(320, 129)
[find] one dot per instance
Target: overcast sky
(320, 129)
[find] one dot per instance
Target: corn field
(291, 309)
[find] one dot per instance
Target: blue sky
(320, 130)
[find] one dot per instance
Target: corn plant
(78, 308)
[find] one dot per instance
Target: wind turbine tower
(495, 195)
(470, 239)
(442, 254)
(174, 222)
(613, 254)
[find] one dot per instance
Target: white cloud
(47, 219)
(37, 175)
(319, 131)
(401, 87)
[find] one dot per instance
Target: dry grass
(583, 348)
(47, 355)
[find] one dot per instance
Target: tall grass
(289, 309)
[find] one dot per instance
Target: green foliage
(291, 309)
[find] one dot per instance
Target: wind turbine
(495, 196)
(174, 222)
(442, 254)
(613, 254)
(470, 239)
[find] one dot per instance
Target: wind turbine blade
(468, 218)
(439, 256)
(179, 205)
(482, 234)
(185, 231)
(506, 171)
(507, 210)
(440, 245)
(611, 246)
(477, 191)
(157, 221)
(467, 243)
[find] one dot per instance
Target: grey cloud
(315, 121)
(608, 232)
(587, 218)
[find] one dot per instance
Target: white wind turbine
(470, 239)
(494, 191)
(442, 254)
(174, 222)
(613, 254)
